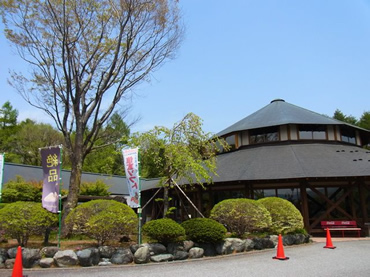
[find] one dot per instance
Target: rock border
(140, 254)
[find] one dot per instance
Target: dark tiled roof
(279, 112)
(293, 161)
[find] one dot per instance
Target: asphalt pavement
(350, 258)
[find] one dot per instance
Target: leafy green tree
(32, 136)
(348, 119)
(364, 121)
(85, 57)
(8, 128)
(183, 152)
(102, 220)
(20, 220)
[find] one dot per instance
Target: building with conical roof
(316, 162)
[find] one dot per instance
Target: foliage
(163, 230)
(345, 118)
(204, 230)
(183, 152)
(286, 218)
(97, 188)
(85, 57)
(364, 121)
(241, 215)
(8, 115)
(102, 220)
(20, 190)
(20, 220)
(8, 127)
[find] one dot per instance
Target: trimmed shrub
(102, 220)
(20, 190)
(98, 188)
(204, 230)
(20, 220)
(242, 215)
(164, 230)
(286, 218)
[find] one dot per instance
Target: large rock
(224, 248)
(88, 257)
(49, 251)
(122, 256)
(249, 245)
(180, 255)
(196, 253)
(173, 247)
(12, 252)
(237, 245)
(3, 255)
(65, 258)
(161, 258)
(106, 251)
(134, 248)
(9, 263)
(209, 249)
(46, 262)
(105, 262)
(30, 257)
(156, 248)
(188, 244)
(142, 255)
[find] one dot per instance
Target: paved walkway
(336, 239)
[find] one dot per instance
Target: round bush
(242, 215)
(20, 220)
(286, 218)
(204, 230)
(163, 230)
(103, 220)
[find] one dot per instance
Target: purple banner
(50, 158)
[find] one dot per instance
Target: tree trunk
(165, 200)
(74, 182)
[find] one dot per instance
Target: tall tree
(8, 116)
(85, 56)
(364, 121)
(183, 152)
(8, 128)
(345, 118)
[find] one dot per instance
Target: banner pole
(139, 208)
(60, 196)
(2, 174)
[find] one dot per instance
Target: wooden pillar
(304, 205)
(363, 204)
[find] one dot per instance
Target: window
(312, 132)
(348, 135)
(263, 135)
(231, 141)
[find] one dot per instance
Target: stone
(249, 245)
(9, 263)
(88, 257)
(65, 258)
(224, 248)
(106, 251)
(274, 239)
(267, 243)
(30, 257)
(196, 253)
(156, 248)
(134, 248)
(258, 244)
(209, 249)
(188, 244)
(288, 240)
(173, 247)
(46, 262)
(12, 252)
(161, 258)
(122, 256)
(3, 255)
(49, 251)
(104, 262)
(142, 255)
(180, 255)
(237, 245)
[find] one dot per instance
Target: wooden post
(304, 205)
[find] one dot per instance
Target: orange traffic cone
(329, 243)
(18, 267)
(280, 250)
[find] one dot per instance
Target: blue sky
(239, 55)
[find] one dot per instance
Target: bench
(341, 226)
